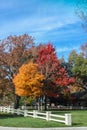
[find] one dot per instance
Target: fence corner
(68, 120)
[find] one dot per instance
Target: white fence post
(12, 110)
(4, 109)
(81, 107)
(1, 109)
(18, 111)
(68, 120)
(25, 113)
(48, 115)
(34, 113)
(8, 109)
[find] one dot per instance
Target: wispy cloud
(66, 49)
(34, 17)
(63, 49)
(47, 20)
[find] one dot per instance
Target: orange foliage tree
(28, 82)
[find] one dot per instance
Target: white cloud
(37, 23)
(67, 49)
(63, 49)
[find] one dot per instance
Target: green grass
(79, 118)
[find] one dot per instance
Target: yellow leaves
(74, 89)
(21, 92)
(28, 80)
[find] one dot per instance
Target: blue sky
(52, 21)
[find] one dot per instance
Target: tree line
(29, 71)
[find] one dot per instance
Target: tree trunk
(45, 103)
(17, 100)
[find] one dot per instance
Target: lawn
(79, 118)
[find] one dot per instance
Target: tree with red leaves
(56, 77)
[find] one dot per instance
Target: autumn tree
(28, 82)
(56, 77)
(14, 51)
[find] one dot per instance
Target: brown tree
(14, 51)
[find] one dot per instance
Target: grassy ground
(79, 118)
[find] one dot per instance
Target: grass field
(79, 118)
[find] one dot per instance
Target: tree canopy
(14, 51)
(56, 77)
(28, 82)
(30, 70)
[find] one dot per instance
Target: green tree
(79, 68)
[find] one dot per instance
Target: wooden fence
(66, 119)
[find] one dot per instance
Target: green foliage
(79, 68)
(79, 65)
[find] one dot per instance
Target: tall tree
(14, 51)
(56, 77)
(79, 68)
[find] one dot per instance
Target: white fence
(66, 119)
(60, 107)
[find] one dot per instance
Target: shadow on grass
(77, 124)
(6, 115)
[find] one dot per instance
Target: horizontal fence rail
(60, 107)
(66, 119)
